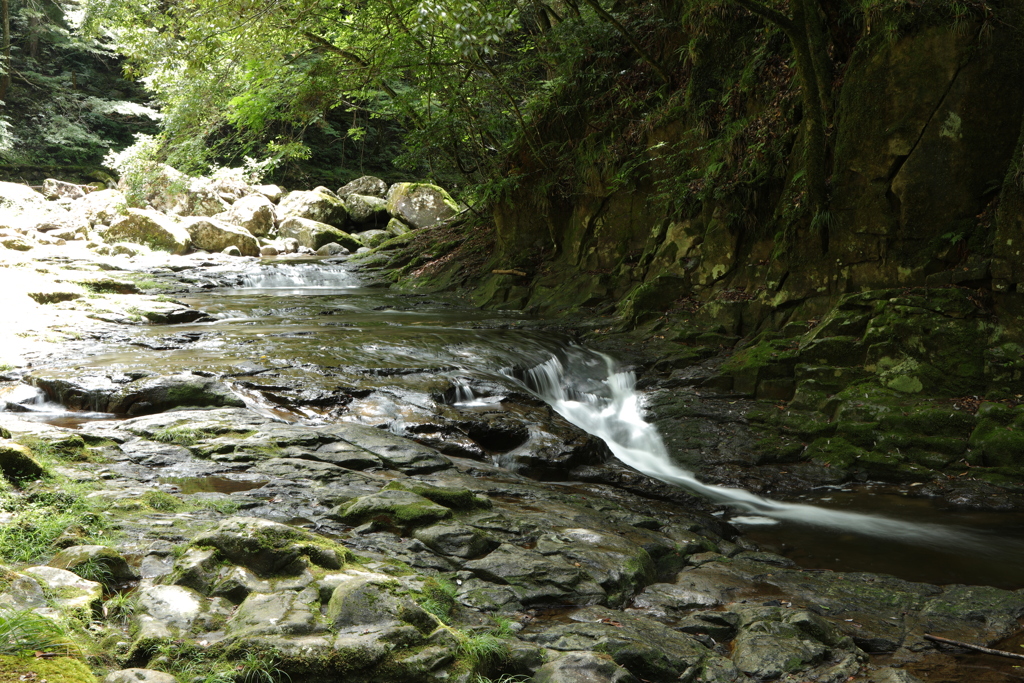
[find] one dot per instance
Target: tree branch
(968, 646)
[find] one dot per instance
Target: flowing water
(317, 319)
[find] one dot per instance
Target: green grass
(43, 515)
(23, 632)
(120, 608)
(439, 598)
(180, 435)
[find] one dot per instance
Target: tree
(803, 26)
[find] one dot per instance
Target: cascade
(589, 390)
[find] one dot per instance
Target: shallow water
(316, 322)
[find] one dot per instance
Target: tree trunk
(5, 62)
(814, 114)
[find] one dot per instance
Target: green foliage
(23, 632)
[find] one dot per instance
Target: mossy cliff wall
(924, 131)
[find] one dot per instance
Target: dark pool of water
(996, 558)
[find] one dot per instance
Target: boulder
(314, 206)
(315, 234)
(397, 227)
(366, 599)
(55, 189)
(17, 463)
(271, 192)
(106, 564)
(420, 205)
(210, 234)
(332, 249)
(101, 207)
(151, 228)
(139, 676)
(396, 508)
(72, 592)
(277, 614)
(375, 238)
(269, 250)
(576, 667)
(174, 192)
(268, 548)
(365, 210)
(368, 186)
(253, 212)
(17, 199)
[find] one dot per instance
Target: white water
(610, 408)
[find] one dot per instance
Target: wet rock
(367, 185)
(370, 599)
(16, 462)
(398, 509)
(268, 548)
(649, 650)
(456, 540)
(101, 562)
(151, 228)
(395, 451)
(583, 667)
(774, 641)
(210, 234)
(332, 249)
(314, 206)
(315, 234)
(166, 611)
(277, 614)
(420, 205)
(535, 578)
(139, 676)
(619, 566)
(970, 613)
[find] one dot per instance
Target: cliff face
(924, 132)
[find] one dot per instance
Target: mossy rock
(394, 508)
(1000, 441)
(17, 464)
(57, 670)
(835, 451)
(455, 499)
(268, 548)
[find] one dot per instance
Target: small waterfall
(588, 390)
(299, 276)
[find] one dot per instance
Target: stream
(318, 327)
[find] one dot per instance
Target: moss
(58, 670)
(835, 451)
(760, 355)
